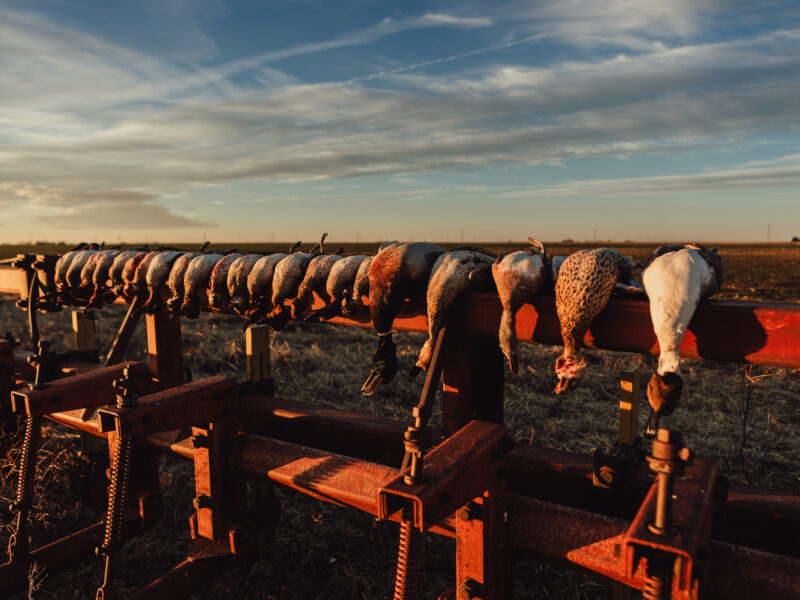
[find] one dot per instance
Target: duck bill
(513, 362)
(278, 320)
(384, 365)
(326, 312)
(299, 306)
(651, 427)
(371, 384)
(565, 385)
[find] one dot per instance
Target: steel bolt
(469, 590)
(469, 511)
(201, 501)
(199, 440)
(667, 462)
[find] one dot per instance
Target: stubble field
(743, 417)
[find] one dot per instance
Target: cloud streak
(89, 127)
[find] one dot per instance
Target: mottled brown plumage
(585, 283)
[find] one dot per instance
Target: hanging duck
(518, 276)
(339, 286)
(585, 283)
(456, 271)
(288, 276)
(675, 278)
(398, 273)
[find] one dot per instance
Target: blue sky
(258, 121)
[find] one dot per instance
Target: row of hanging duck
(259, 286)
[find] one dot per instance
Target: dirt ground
(742, 417)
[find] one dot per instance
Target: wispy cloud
(718, 180)
(89, 127)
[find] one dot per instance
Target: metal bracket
(456, 471)
(189, 404)
(85, 390)
(692, 497)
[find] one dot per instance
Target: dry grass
(322, 551)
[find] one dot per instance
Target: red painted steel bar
(84, 390)
(754, 517)
(182, 580)
(54, 557)
(754, 332)
(574, 538)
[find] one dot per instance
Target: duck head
(663, 394)
(384, 365)
(570, 371)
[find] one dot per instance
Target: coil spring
(117, 493)
(18, 541)
(27, 462)
(409, 559)
(658, 581)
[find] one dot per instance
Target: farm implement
(666, 523)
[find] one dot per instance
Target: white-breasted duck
(175, 281)
(238, 274)
(73, 278)
(157, 277)
(289, 274)
(676, 278)
(339, 286)
(99, 277)
(314, 281)
(63, 263)
(128, 273)
(398, 273)
(458, 270)
(115, 280)
(585, 283)
(218, 297)
(195, 282)
(360, 291)
(518, 277)
(259, 285)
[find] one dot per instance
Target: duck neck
(669, 362)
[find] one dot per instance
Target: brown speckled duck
(585, 283)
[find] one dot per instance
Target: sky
(259, 121)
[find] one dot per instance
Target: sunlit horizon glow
(482, 121)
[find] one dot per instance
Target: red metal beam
(85, 390)
(574, 538)
(754, 332)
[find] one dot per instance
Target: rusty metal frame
(737, 331)
(459, 469)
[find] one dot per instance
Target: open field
(745, 418)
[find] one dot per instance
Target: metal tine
(125, 332)
(423, 410)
